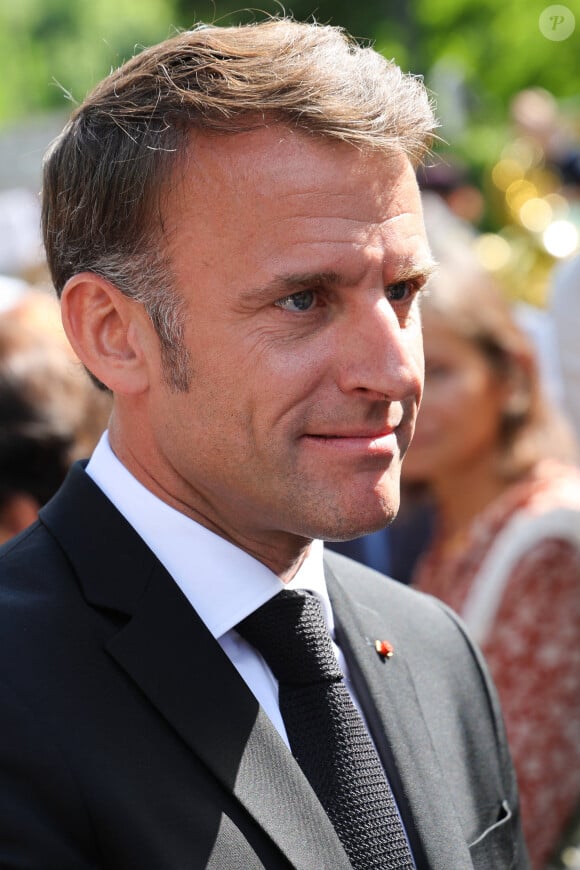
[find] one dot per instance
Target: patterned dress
(532, 641)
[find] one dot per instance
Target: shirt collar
(223, 583)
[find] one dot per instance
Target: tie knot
(291, 634)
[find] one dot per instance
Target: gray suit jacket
(128, 739)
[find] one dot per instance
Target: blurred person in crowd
(233, 224)
(564, 313)
(505, 553)
(537, 118)
(50, 412)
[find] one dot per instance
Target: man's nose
(381, 353)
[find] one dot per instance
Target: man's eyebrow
(285, 285)
(415, 269)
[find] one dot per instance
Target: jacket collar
(388, 697)
(171, 656)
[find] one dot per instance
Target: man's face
(299, 262)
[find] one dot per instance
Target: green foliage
(474, 54)
(51, 46)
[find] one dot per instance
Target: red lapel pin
(384, 649)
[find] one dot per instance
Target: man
(233, 224)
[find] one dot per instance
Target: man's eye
(304, 300)
(403, 291)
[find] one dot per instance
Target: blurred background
(505, 79)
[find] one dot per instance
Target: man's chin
(342, 513)
(355, 528)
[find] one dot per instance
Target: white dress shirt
(223, 583)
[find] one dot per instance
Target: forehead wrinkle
(370, 225)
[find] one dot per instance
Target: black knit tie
(326, 733)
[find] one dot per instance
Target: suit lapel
(172, 657)
(386, 691)
(169, 653)
(183, 672)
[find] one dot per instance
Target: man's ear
(106, 330)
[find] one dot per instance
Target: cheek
(486, 415)
(452, 414)
(466, 417)
(284, 378)
(443, 400)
